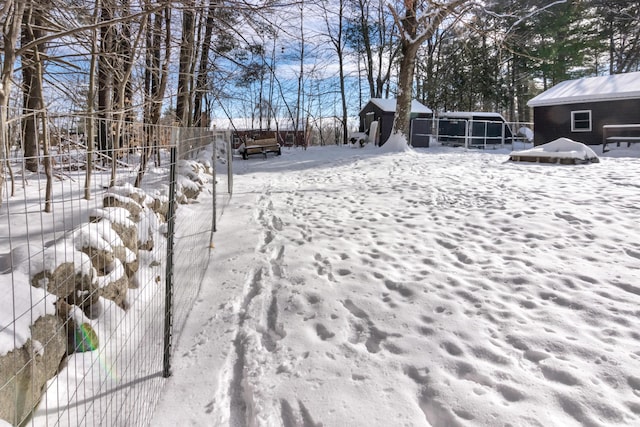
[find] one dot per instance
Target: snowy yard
(437, 287)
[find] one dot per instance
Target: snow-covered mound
(562, 150)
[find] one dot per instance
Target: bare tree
(156, 76)
(373, 35)
(105, 75)
(91, 94)
(335, 32)
(203, 67)
(122, 89)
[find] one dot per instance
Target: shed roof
(588, 89)
(389, 105)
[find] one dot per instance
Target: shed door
(420, 132)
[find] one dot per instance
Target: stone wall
(97, 260)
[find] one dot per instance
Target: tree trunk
(91, 94)
(183, 101)
(402, 117)
(128, 52)
(385, 44)
(12, 18)
(343, 96)
(48, 167)
(366, 40)
(343, 90)
(34, 99)
(32, 87)
(299, 101)
(105, 79)
(337, 40)
(151, 77)
(202, 78)
(157, 72)
(123, 103)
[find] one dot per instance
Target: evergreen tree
(619, 32)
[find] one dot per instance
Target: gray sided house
(382, 111)
(579, 109)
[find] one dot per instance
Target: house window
(581, 121)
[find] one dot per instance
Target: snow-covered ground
(443, 287)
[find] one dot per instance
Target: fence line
(93, 291)
(470, 132)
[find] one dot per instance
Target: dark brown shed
(578, 109)
(382, 111)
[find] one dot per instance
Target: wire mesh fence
(470, 130)
(484, 131)
(103, 246)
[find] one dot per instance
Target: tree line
(293, 63)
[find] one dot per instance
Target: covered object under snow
(562, 150)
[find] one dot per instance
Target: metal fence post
(504, 134)
(168, 298)
(486, 133)
(467, 132)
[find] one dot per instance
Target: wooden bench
(631, 134)
(260, 146)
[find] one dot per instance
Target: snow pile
(24, 303)
(396, 143)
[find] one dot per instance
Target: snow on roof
(603, 88)
(389, 105)
(469, 114)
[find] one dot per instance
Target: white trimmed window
(581, 121)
